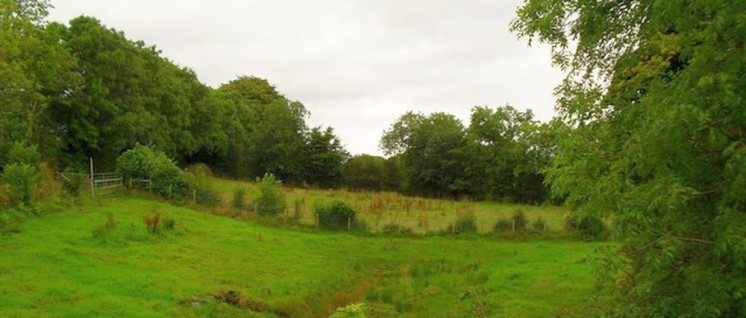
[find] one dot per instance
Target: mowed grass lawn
(53, 266)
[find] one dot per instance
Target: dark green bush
(142, 162)
(21, 177)
(239, 199)
(591, 227)
(271, 200)
(335, 216)
(502, 225)
(189, 187)
(466, 223)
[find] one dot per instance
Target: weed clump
(396, 229)
(169, 223)
(106, 228)
(540, 225)
(151, 222)
(239, 199)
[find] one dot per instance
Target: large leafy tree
(434, 150)
(36, 72)
(655, 99)
(324, 158)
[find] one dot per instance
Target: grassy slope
(55, 267)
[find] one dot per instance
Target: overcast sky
(356, 65)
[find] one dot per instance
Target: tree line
(84, 90)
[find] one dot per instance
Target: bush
(540, 225)
(591, 227)
(22, 152)
(336, 216)
(189, 185)
(21, 177)
(200, 170)
(519, 217)
(142, 162)
(271, 200)
(466, 223)
(239, 199)
(502, 225)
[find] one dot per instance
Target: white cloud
(357, 65)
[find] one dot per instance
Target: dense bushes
(142, 162)
(336, 215)
(591, 227)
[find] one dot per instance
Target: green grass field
(54, 266)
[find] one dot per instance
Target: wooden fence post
(513, 226)
(349, 223)
(194, 196)
(92, 180)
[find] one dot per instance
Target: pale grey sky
(356, 65)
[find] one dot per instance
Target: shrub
(519, 217)
(151, 222)
(239, 199)
(540, 225)
(335, 216)
(271, 200)
(200, 170)
(466, 223)
(502, 225)
(142, 162)
(187, 186)
(22, 152)
(21, 177)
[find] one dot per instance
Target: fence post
(194, 196)
(170, 192)
(513, 226)
(349, 223)
(256, 210)
(317, 220)
(93, 184)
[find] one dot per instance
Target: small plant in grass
(336, 216)
(168, 223)
(396, 229)
(152, 221)
(350, 311)
(106, 228)
(519, 219)
(502, 225)
(239, 199)
(540, 225)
